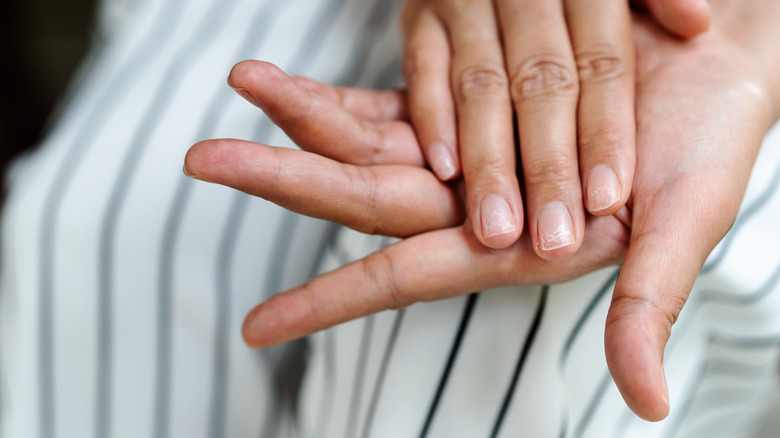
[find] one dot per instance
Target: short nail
(555, 228)
(664, 388)
(248, 96)
(497, 217)
(186, 173)
(441, 160)
(603, 188)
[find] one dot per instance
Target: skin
(702, 109)
(567, 78)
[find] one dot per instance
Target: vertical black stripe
(465, 318)
(380, 380)
(106, 104)
(529, 340)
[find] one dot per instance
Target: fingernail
(664, 388)
(186, 173)
(441, 160)
(603, 188)
(497, 217)
(248, 96)
(555, 228)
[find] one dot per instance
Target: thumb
(683, 18)
(658, 273)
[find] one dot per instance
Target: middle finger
(544, 89)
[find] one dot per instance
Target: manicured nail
(441, 160)
(555, 228)
(603, 188)
(497, 217)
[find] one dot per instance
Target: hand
(702, 108)
(570, 68)
(363, 168)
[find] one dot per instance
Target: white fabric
(100, 217)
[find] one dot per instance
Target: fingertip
(260, 83)
(498, 223)
(194, 159)
(685, 19)
(248, 331)
(636, 365)
(442, 161)
(603, 192)
(556, 237)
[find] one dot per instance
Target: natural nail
(441, 160)
(248, 96)
(603, 188)
(555, 227)
(497, 217)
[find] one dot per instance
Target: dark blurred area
(42, 43)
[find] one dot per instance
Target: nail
(248, 96)
(441, 160)
(497, 217)
(187, 174)
(664, 388)
(555, 228)
(603, 188)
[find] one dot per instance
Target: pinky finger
(432, 110)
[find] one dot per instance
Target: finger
(544, 89)
(683, 18)
(426, 267)
(363, 103)
(318, 124)
(427, 70)
(485, 128)
(388, 200)
(673, 231)
(605, 117)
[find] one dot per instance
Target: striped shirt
(124, 284)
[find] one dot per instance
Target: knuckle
(480, 80)
(543, 75)
(600, 63)
(551, 173)
(363, 183)
(314, 305)
(379, 270)
(416, 63)
(603, 135)
(627, 307)
(375, 146)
